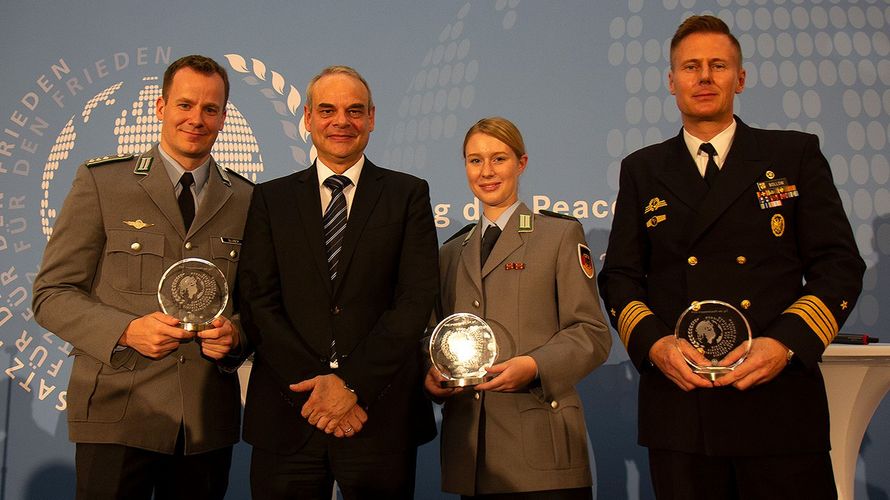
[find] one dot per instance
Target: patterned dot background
(136, 129)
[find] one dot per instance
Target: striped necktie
(334, 220)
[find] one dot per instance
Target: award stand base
(465, 382)
(712, 373)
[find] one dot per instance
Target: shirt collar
(501, 223)
(175, 170)
(721, 142)
(353, 172)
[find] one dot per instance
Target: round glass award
(461, 347)
(714, 328)
(194, 291)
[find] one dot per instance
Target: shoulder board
(102, 160)
(548, 213)
(239, 175)
(462, 231)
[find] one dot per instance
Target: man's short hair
(703, 24)
(337, 70)
(199, 63)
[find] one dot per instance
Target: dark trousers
(684, 476)
(568, 494)
(113, 471)
(310, 473)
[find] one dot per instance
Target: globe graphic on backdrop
(107, 126)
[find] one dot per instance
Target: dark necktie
(488, 240)
(186, 200)
(334, 220)
(711, 169)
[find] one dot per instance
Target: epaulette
(102, 160)
(548, 213)
(462, 231)
(239, 175)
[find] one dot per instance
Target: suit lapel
(308, 204)
(740, 170)
(159, 187)
(680, 174)
(218, 192)
(367, 194)
(469, 258)
(507, 243)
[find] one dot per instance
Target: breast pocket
(135, 260)
(553, 438)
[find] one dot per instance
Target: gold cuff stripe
(632, 314)
(817, 316)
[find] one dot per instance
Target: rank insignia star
(844, 305)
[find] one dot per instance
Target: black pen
(854, 338)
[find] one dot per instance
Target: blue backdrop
(585, 81)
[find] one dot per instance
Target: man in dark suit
(336, 313)
(750, 217)
(150, 409)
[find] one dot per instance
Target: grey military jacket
(119, 229)
(538, 291)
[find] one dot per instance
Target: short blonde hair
(501, 129)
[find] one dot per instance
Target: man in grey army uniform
(152, 408)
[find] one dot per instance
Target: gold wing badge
(138, 223)
(653, 205)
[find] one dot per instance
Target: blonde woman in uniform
(521, 434)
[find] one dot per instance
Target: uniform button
(741, 259)
(335, 310)
(188, 245)
(475, 303)
(181, 358)
(233, 254)
(692, 260)
(746, 304)
(554, 405)
(136, 246)
(476, 396)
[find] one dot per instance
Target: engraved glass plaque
(462, 346)
(713, 328)
(194, 291)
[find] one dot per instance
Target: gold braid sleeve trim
(817, 316)
(632, 314)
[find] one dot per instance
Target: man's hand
(766, 359)
(666, 355)
(219, 341)
(154, 335)
(349, 425)
(437, 392)
(330, 400)
(512, 375)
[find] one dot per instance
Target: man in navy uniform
(746, 216)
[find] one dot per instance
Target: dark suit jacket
(376, 309)
(792, 269)
(99, 273)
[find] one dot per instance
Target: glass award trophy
(462, 346)
(714, 328)
(194, 291)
